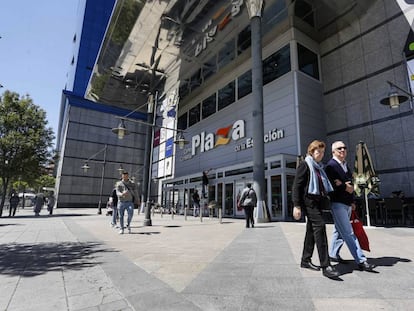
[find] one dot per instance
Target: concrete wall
(356, 62)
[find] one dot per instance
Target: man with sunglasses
(342, 201)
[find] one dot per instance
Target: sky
(36, 49)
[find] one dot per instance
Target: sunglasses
(341, 148)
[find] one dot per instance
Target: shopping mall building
(325, 67)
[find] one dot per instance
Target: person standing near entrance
(248, 201)
(196, 202)
(126, 192)
(310, 188)
(342, 201)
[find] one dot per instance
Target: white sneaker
(113, 225)
(121, 231)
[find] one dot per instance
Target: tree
(25, 140)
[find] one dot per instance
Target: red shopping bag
(359, 231)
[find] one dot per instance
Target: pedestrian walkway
(74, 260)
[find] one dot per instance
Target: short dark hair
(124, 173)
(249, 185)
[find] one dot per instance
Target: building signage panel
(169, 148)
(204, 142)
(217, 23)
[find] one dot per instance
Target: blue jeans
(129, 206)
(343, 233)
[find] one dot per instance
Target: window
(195, 80)
(182, 121)
(209, 106)
(308, 61)
(244, 84)
(194, 115)
(244, 40)
(276, 65)
(273, 15)
(209, 68)
(226, 95)
(226, 54)
(304, 11)
(184, 89)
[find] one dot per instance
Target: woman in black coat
(310, 190)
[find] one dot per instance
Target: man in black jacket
(342, 200)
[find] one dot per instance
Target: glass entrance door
(228, 200)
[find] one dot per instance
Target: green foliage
(25, 139)
(43, 181)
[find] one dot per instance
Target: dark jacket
(334, 171)
(300, 196)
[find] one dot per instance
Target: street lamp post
(148, 157)
(121, 131)
(254, 8)
(86, 167)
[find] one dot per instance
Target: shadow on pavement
(46, 215)
(35, 259)
(388, 261)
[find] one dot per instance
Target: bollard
(185, 213)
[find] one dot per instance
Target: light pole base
(260, 213)
(147, 220)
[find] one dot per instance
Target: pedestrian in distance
(204, 190)
(196, 202)
(342, 202)
(40, 200)
(309, 193)
(126, 192)
(14, 201)
(115, 210)
(50, 203)
(248, 201)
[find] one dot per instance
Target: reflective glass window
(304, 11)
(244, 84)
(273, 15)
(182, 121)
(194, 115)
(226, 54)
(209, 106)
(276, 65)
(184, 89)
(244, 40)
(195, 80)
(308, 61)
(209, 68)
(226, 95)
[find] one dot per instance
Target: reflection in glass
(194, 115)
(244, 40)
(244, 84)
(226, 54)
(182, 121)
(209, 106)
(226, 95)
(276, 65)
(308, 61)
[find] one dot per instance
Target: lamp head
(180, 141)
(85, 167)
(394, 100)
(121, 130)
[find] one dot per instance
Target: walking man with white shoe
(342, 201)
(126, 192)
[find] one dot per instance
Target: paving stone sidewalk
(73, 260)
